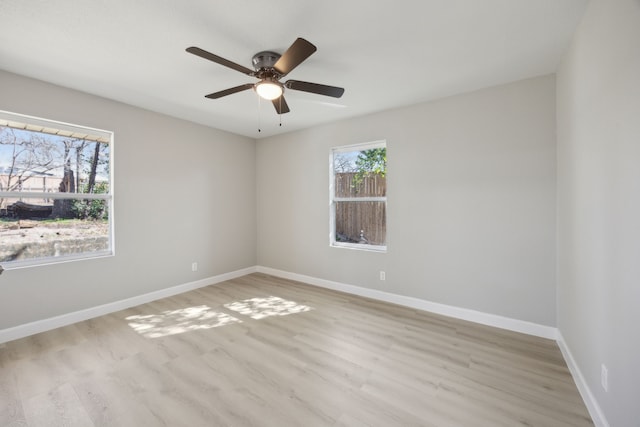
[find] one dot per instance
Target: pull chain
(259, 114)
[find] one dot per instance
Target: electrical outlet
(604, 377)
(383, 275)
(194, 266)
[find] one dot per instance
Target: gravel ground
(27, 231)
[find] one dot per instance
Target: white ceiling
(386, 54)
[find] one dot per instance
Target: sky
(52, 145)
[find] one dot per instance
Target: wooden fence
(373, 185)
(356, 220)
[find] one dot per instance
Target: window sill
(16, 265)
(359, 247)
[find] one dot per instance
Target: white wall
(599, 204)
(183, 193)
(471, 202)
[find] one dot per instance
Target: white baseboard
(589, 399)
(27, 329)
(465, 314)
(516, 325)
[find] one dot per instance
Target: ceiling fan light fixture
(270, 67)
(269, 89)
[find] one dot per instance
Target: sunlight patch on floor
(259, 308)
(172, 322)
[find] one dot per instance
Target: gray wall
(599, 204)
(183, 193)
(471, 201)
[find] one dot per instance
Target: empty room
(413, 213)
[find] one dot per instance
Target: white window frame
(46, 126)
(333, 199)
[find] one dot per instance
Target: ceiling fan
(270, 67)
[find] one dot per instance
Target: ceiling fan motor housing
(265, 59)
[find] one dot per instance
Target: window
(358, 196)
(56, 201)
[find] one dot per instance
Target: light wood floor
(263, 351)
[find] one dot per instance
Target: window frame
(333, 199)
(47, 126)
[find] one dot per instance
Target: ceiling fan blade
(219, 60)
(229, 91)
(297, 52)
(333, 91)
(281, 105)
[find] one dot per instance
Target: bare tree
(94, 168)
(79, 148)
(26, 157)
(343, 163)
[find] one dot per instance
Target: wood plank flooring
(264, 351)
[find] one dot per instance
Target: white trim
(515, 325)
(359, 146)
(587, 396)
(38, 326)
(54, 127)
(333, 200)
(360, 246)
(49, 126)
(359, 199)
(43, 262)
(45, 195)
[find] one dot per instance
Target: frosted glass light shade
(269, 90)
